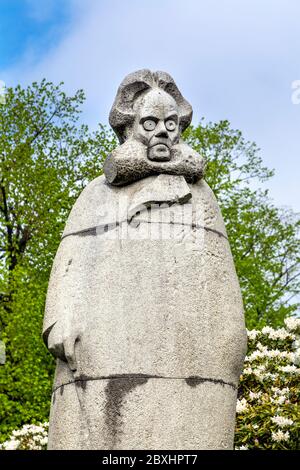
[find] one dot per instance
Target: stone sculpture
(144, 311)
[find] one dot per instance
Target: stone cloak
(164, 334)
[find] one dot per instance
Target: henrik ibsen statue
(144, 311)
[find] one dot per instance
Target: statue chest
(146, 287)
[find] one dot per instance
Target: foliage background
(268, 412)
(46, 158)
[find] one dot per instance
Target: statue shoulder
(89, 209)
(207, 207)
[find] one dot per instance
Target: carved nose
(161, 131)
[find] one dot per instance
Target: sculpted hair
(134, 85)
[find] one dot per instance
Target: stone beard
(148, 331)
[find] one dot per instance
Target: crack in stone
(101, 229)
(195, 380)
(192, 380)
(116, 389)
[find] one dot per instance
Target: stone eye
(170, 125)
(149, 125)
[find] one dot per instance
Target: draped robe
(147, 270)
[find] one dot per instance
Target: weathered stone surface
(143, 413)
(144, 310)
(150, 299)
(136, 84)
(160, 190)
(129, 163)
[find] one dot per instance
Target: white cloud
(231, 59)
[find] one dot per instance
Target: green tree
(46, 158)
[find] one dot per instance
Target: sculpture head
(156, 124)
(150, 108)
(148, 115)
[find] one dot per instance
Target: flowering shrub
(268, 411)
(29, 437)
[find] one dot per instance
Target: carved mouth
(159, 152)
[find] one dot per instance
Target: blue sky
(232, 59)
(28, 25)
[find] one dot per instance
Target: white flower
(278, 400)
(44, 441)
(254, 395)
(281, 333)
(268, 375)
(296, 344)
(261, 347)
(292, 323)
(280, 391)
(267, 330)
(12, 444)
(291, 356)
(255, 355)
(19, 433)
(279, 436)
(252, 334)
(242, 448)
(273, 353)
(33, 446)
(261, 368)
(36, 436)
(264, 352)
(258, 374)
(290, 369)
(35, 429)
(241, 405)
(281, 421)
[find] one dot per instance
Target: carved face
(157, 124)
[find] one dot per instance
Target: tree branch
(39, 131)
